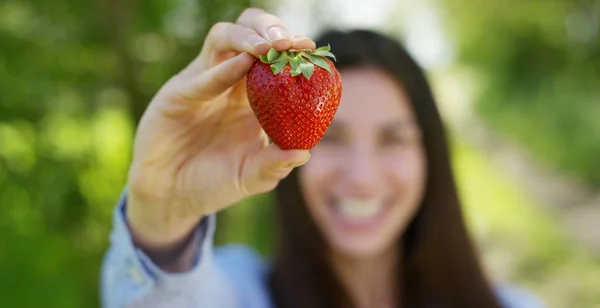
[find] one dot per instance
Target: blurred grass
(522, 242)
(52, 241)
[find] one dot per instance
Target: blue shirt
(229, 276)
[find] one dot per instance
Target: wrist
(163, 236)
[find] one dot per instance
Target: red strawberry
(294, 95)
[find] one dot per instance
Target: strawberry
(294, 95)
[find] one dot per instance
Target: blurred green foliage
(538, 64)
(521, 242)
(75, 78)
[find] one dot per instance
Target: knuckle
(233, 34)
(240, 31)
(219, 27)
(258, 18)
(249, 12)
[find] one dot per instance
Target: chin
(361, 248)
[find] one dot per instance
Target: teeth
(359, 209)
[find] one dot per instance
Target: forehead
(371, 97)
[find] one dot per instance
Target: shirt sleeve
(513, 297)
(129, 278)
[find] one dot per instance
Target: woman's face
(365, 179)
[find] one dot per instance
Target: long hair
(439, 266)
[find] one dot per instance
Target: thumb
(269, 166)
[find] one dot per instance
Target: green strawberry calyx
(301, 61)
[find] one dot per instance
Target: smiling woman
(366, 178)
(372, 220)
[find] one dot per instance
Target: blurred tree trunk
(120, 17)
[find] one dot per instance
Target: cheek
(407, 176)
(314, 177)
(407, 167)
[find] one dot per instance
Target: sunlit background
(518, 83)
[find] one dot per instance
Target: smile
(359, 214)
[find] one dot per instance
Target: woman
(372, 220)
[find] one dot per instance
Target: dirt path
(577, 206)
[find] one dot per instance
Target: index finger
(273, 29)
(226, 38)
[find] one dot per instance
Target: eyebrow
(399, 124)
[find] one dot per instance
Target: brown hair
(439, 266)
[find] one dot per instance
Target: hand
(199, 147)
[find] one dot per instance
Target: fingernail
(256, 40)
(300, 163)
(276, 34)
(299, 39)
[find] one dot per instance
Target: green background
(75, 76)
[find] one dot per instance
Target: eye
(393, 139)
(396, 138)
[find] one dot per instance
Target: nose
(362, 171)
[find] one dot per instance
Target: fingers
(217, 80)
(301, 42)
(231, 37)
(268, 26)
(225, 37)
(255, 33)
(273, 29)
(269, 166)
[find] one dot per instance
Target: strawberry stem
(301, 61)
